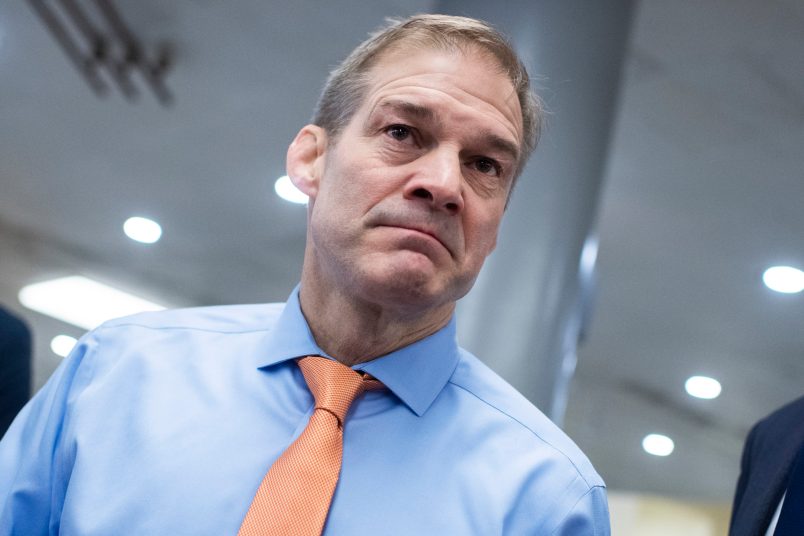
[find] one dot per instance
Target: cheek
(482, 235)
(360, 191)
(350, 181)
(344, 198)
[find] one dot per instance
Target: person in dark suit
(769, 491)
(15, 367)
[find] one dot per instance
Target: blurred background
(633, 257)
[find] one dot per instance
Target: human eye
(399, 132)
(487, 166)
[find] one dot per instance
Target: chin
(414, 290)
(403, 287)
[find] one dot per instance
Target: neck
(354, 330)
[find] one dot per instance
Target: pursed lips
(421, 229)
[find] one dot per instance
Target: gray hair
(345, 88)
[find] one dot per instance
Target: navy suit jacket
(15, 367)
(768, 457)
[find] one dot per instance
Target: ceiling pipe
(100, 49)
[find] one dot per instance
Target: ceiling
(704, 189)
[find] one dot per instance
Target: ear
(305, 159)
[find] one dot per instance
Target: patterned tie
(791, 519)
(293, 498)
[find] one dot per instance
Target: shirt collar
(415, 373)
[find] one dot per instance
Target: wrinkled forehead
(496, 79)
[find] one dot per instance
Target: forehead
(462, 79)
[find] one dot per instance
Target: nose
(438, 181)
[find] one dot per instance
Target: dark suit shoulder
(769, 451)
(13, 331)
(779, 424)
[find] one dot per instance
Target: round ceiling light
(285, 189)
(658, 445)
(785, 279)
(142, 230)
(62, 345)
(703, 387)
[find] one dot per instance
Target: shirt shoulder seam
(106, 327)
(587, 493)
(532, 431)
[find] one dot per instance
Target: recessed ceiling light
(784, 279)
(658, 445)
(285, 189)
(142, 230)
(62, 345)
(703, 387)
(81, 301)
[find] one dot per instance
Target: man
(770, 491)
(201, 421)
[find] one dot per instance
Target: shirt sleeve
(34, 463)
(588, 517)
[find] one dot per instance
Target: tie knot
(333, 384)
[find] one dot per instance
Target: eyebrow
(428, 114)
(501, 144)
(409, 108)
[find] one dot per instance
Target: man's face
(410, 198)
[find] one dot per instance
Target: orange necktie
(293, 498)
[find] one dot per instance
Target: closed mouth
(421, 230)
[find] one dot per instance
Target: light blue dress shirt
(165, 423)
